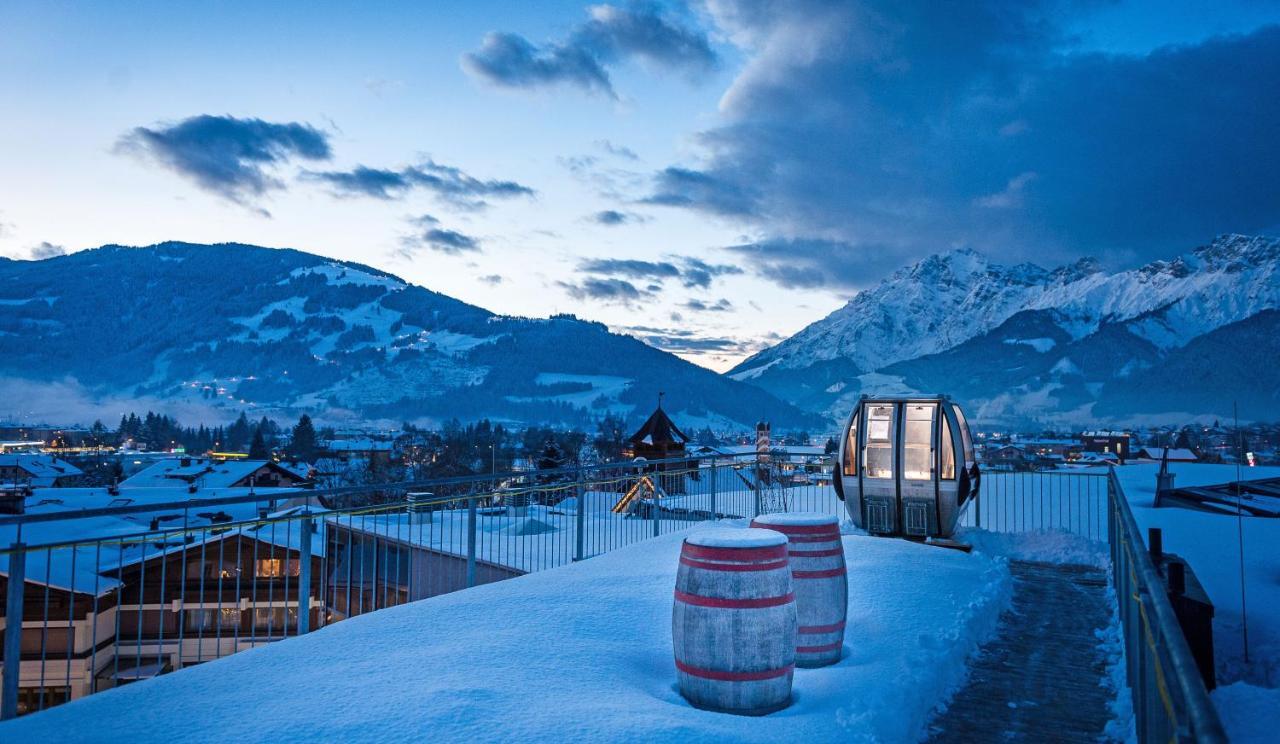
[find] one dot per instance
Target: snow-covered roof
(41, 470)
(205, 473)
(356, 445)
(1176, 454)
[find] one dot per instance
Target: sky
(710, 177)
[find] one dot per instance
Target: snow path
(579, 653)
(1041, 678)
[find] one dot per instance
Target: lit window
(851, 450)
(212, 618)
(275, 568)
(948, 452)
(878, 452)
(917, 453)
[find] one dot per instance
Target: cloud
(893, 129)
(613, 218)
(630, 268)
(606, 289)
(701, 306)
(227, 156)
(449, 241)
(493, 279)
(611, 35)
(692, 342)
(446, 182)
(815, 263)
(626, 153)
(699, 273)
(46, 249)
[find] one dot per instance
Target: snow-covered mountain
(1025, 342)
(242, 327)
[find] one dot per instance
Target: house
(124, 609)
(199, 473)
(1006, 457)
(1175, 454)
(37, 470)
(660, 439)
(1115, 442)
(364, 448)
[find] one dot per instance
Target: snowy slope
(580, 653)
(1053, 339)
(236, 326)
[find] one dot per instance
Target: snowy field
(580, 653)
(1249, 699)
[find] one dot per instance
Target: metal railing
(112, 594)
(1170, 702)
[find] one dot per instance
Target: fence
(127, 591)
(113, 594)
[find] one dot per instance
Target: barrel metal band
(733, 566)
(827, 574)
(833, 537)
(816, 553)
(769, 553)
(810, 629)
(726, 676)
(752, 603)
(817, 649)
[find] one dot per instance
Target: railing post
(471, 542)
(304, 576)
(13, 630)
(714, 514)
(580, 527)
(977, 506)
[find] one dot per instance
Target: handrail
(269, 494)
(1202, 718)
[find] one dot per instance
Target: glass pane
(879, 461)
(948, 453)
(851, 450)
(917, 463)
(964, 436)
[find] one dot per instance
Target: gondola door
(879, 468)
(919, 486)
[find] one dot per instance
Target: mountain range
(237, 327)
(1171, 340)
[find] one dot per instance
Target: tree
(303, 443)
(258, 447)
(830, 448)
(611, 436)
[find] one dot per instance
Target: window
(275, 618)
(212, 618)
(878, 452)
(964, 437)
(851, 449)
(917, 441)
(197, 569)
(275, 568)
(948, 469)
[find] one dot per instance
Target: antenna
(1244, 614)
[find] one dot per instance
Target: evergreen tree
(303, 443)
(258, 446)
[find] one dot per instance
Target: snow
(797, 519)
(1248, 713)
(728, 537)
(1209, 542)
(1041, 345)
(580, 653)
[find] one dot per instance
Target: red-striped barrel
(734, 623)
(821, 583)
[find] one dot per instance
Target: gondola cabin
(906, 465)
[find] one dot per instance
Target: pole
(471, 541)
(13, 631)
(304, 576)
(580, 539)
(1244, 613)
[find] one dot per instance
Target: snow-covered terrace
(583, 652)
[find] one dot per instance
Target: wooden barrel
(734, 623)
(821, 583)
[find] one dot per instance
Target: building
(660, 439)
(1174, 454)
(37, 471)
(1115, 442)
(214, 473)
